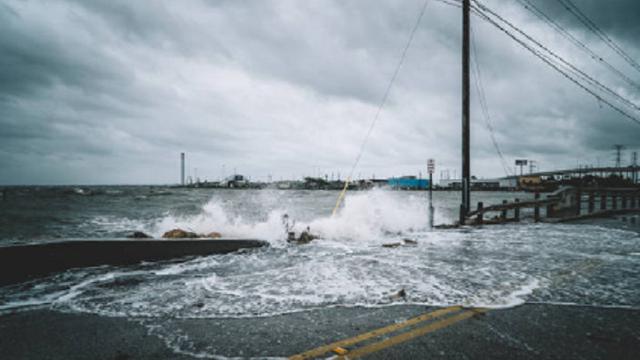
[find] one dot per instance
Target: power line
(572, 8)
(572, 67)
(527, 4)
(389, 86)
(382, 102)
(479, 12)
(483, 103)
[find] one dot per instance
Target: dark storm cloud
(617, 18)
(112, 91)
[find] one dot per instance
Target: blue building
(408, 183)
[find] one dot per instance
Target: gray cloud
(111, 92)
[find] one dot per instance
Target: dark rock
(179, 234)
(138, 235)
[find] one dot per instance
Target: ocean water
(492, 266)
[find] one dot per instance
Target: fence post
(536, 209)
(516, 211)
(479, 219)
(504, 211)
(591, 201)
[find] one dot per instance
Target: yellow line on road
(365, 350)
(374, 333)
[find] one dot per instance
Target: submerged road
(530, 331)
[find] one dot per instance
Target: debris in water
(402, 294)
(391, 245)
(410, 242)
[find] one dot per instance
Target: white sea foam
(497, 266)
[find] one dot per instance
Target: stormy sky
(110, 92)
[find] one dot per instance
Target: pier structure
(566, 204)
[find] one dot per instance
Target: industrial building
(408, 183)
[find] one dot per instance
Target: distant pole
(431, 165)
(466, 178)
(182, 169)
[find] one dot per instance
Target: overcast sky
(110, 92)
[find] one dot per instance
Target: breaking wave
(498, 266)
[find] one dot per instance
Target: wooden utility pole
(466, 176)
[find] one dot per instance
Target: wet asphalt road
(531, 331)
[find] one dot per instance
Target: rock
(410, 242)
(138, 235)
(214, 235)
(305, 237)
(391, 245)
(179, 234)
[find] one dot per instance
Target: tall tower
(182, 169)
(618, 149)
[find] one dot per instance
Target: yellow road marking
(374, 333)
(365, 350)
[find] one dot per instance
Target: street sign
(521, 162)
(431, 165)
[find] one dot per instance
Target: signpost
(431, 166)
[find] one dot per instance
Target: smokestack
(182, 169)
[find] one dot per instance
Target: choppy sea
(493, 266)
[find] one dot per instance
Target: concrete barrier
(19, 263)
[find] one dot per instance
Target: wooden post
(504, 211)
(591, 201)
(536, 210)
(516, 211)
(479, 218)
(603, 201)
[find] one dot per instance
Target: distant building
(235, 181)
(481, 184)
(408, 183)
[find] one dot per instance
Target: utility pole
(466, 180)
(182, 169)
(431, 166)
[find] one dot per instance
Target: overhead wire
(566, 63)
(553, 64)
(381, 105)
(483, 103)
(584, 19)
(528, 5)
